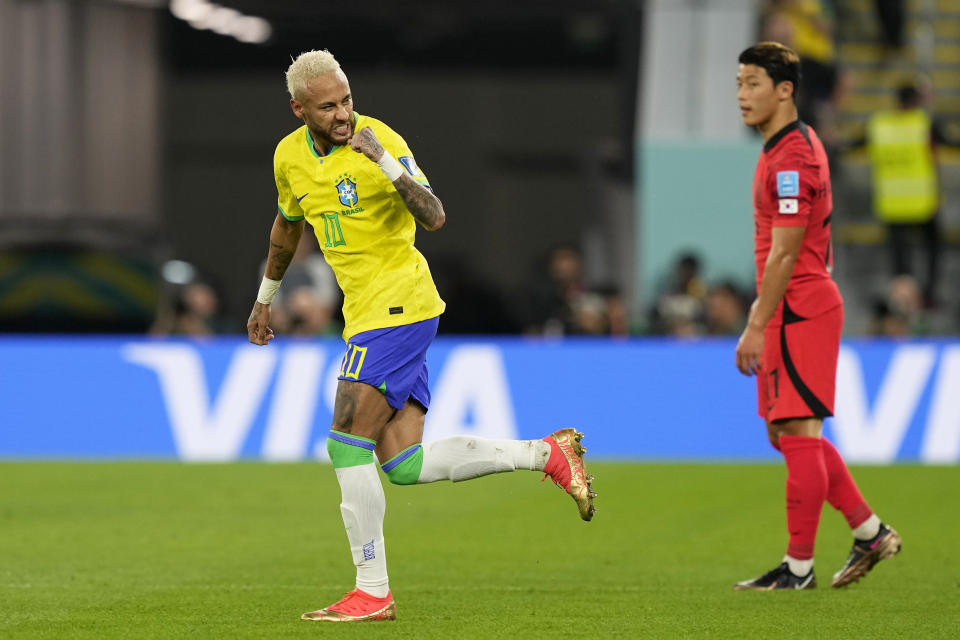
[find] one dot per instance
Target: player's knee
(773, 434)
(404, 468)
(774, 441)
(396, 476)
(346, 450)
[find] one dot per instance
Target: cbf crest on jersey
(347, 190)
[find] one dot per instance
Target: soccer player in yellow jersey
(356, 182)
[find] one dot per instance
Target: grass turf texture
(166, 550)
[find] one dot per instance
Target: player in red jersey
(792, 337)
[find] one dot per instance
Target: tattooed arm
(284, 238)
(420, 201)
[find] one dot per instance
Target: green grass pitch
(167, 550)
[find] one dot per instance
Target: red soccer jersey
(791, 188)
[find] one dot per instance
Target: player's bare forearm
(284, 238)
(420, 201)
(776, 274)
(773, 284)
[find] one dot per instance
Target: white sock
(799, 568)
(465, 457)
(362, 506)
(869, 529)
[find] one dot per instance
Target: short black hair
(780, 62)
(908, 95)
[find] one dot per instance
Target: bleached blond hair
(309, 64)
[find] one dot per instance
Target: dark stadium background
(522, 114)
(129, 139)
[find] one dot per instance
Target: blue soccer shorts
(393, 360)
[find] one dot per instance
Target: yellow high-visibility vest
(905, 185)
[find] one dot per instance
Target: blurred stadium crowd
(860, 58)
(557, 297)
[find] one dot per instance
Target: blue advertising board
(224, 399)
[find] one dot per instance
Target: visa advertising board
(224, 399)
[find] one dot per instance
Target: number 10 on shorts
(352, 361)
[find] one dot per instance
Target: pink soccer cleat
(356, 606)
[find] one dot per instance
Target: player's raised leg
(873, 541)
(458, 458)
(407, 461)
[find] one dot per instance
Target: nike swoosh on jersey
(303, 196)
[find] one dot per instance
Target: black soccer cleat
(779, 578)
(865, 554)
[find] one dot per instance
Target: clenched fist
(365, 142)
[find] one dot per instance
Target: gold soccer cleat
(565, 467)
(866, 554)
(356, 606)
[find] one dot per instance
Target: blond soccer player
(356, 182)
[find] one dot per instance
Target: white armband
(390, 167)
(268, 290)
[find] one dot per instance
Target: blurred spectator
(601, 312)
(726, 311)
(559, 302)
(589, 314)
(678, 315)
(903, 296)
(888, 323)
(906, 190)
(617, 316)
(195, 311)
(306, 314)
(553, 297)
(807, 26)
(686, 276)
(679, 307)
(900, 313)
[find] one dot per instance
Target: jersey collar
(780, 135)
(313, 149)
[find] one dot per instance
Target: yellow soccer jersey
(363, 227)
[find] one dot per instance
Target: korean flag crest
(347, 190)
